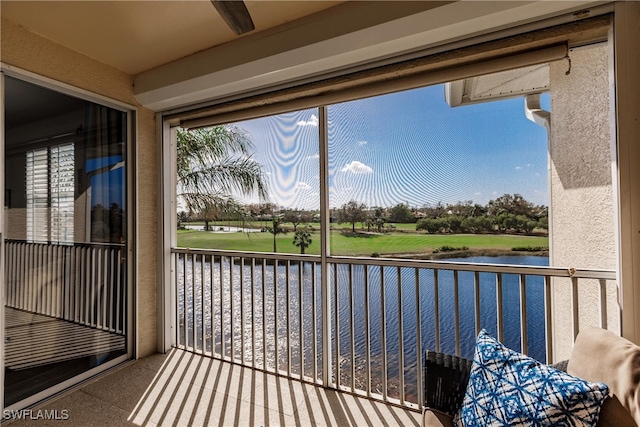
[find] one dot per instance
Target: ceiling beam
(235, 14)
(262, 61)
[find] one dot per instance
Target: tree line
(505, 214)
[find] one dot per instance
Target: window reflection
(65, 269)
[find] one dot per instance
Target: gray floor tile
(183, 389)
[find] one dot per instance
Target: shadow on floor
(185, 389)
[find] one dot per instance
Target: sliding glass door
(2, 233)
(66, 293)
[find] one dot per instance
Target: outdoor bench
(598, 355)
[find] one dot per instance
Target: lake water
(276, 307)
(511, 306)
(222, 228)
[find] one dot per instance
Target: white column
(581, 197)
(167, 237)
(625, 103)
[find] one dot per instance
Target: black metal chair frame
(446, 378)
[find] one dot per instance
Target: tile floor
(184, 389)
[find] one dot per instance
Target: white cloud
(313, 121)
(357, 167)
(362, 142)
(494, 193)
(302, 186)
(518, 168)
(477, 193)
(313, 157)
(529, 165)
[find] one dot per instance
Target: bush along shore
(466, 253)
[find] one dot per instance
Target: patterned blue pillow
(507, 388)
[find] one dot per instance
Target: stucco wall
(582, 213)
(28, 51)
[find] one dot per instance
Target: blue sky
(408, 147)
(108, 186)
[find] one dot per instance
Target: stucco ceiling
(163, 31)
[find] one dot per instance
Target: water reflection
(265, 298)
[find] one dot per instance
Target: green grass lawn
(385, 244)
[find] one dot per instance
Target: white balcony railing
(268, 311)
(82, 283)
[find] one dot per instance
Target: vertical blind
(49, 193)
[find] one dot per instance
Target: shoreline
(467, 254)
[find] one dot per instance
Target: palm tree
(302, 239)
(275, 230)
(214, 166)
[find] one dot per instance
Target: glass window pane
(66, 269)
(406, 170)
(220, 172)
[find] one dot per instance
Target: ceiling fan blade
(235, 14)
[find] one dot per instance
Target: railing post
(575, 321)
(499, 308)
(383, 333)
(524, 331)
(548, 320)
(400, 336)
(324, 245)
